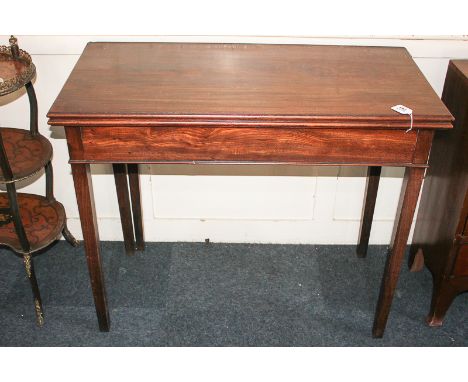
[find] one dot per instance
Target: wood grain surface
(85, 198)
(440, 232)
(461, 266)
(43, 222)
(236, 84)
(412, 182)
(10, 68)
(461, 67)
(26, 154)
(150, 144)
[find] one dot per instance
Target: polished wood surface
(11, 68)
(368, 207)
(43, 222)
(134, 183)
(130, 103)
(85, 198)
(231, 144)
(460, 268)
(123, 198)
(440, 237)
(246, 84)
(460, 67)
(408, 199)
(27, 154)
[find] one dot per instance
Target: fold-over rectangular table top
(171, 84)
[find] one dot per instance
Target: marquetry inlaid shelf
(28, 223)
(43, 222)
(27, 154)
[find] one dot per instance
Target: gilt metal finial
(14, 47)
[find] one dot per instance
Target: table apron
(248, 145)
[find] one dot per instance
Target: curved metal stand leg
(28, 264)
(69, 237)
(4, 164)
(49, 173)
(50, 196)
(32, 109)
(15, 212)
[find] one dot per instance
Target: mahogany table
(131, 103)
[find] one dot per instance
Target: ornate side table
(28, 223)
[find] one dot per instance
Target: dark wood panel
(443, 210)
(461, 67)
(235, 83)
(461, 261)
(462, 227)
(247, 144)
(446, 183)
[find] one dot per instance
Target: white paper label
(402, 109)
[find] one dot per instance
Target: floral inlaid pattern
(43, 221)
(26, 154)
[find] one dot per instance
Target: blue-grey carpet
(196, 294)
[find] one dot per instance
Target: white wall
(319, 205)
